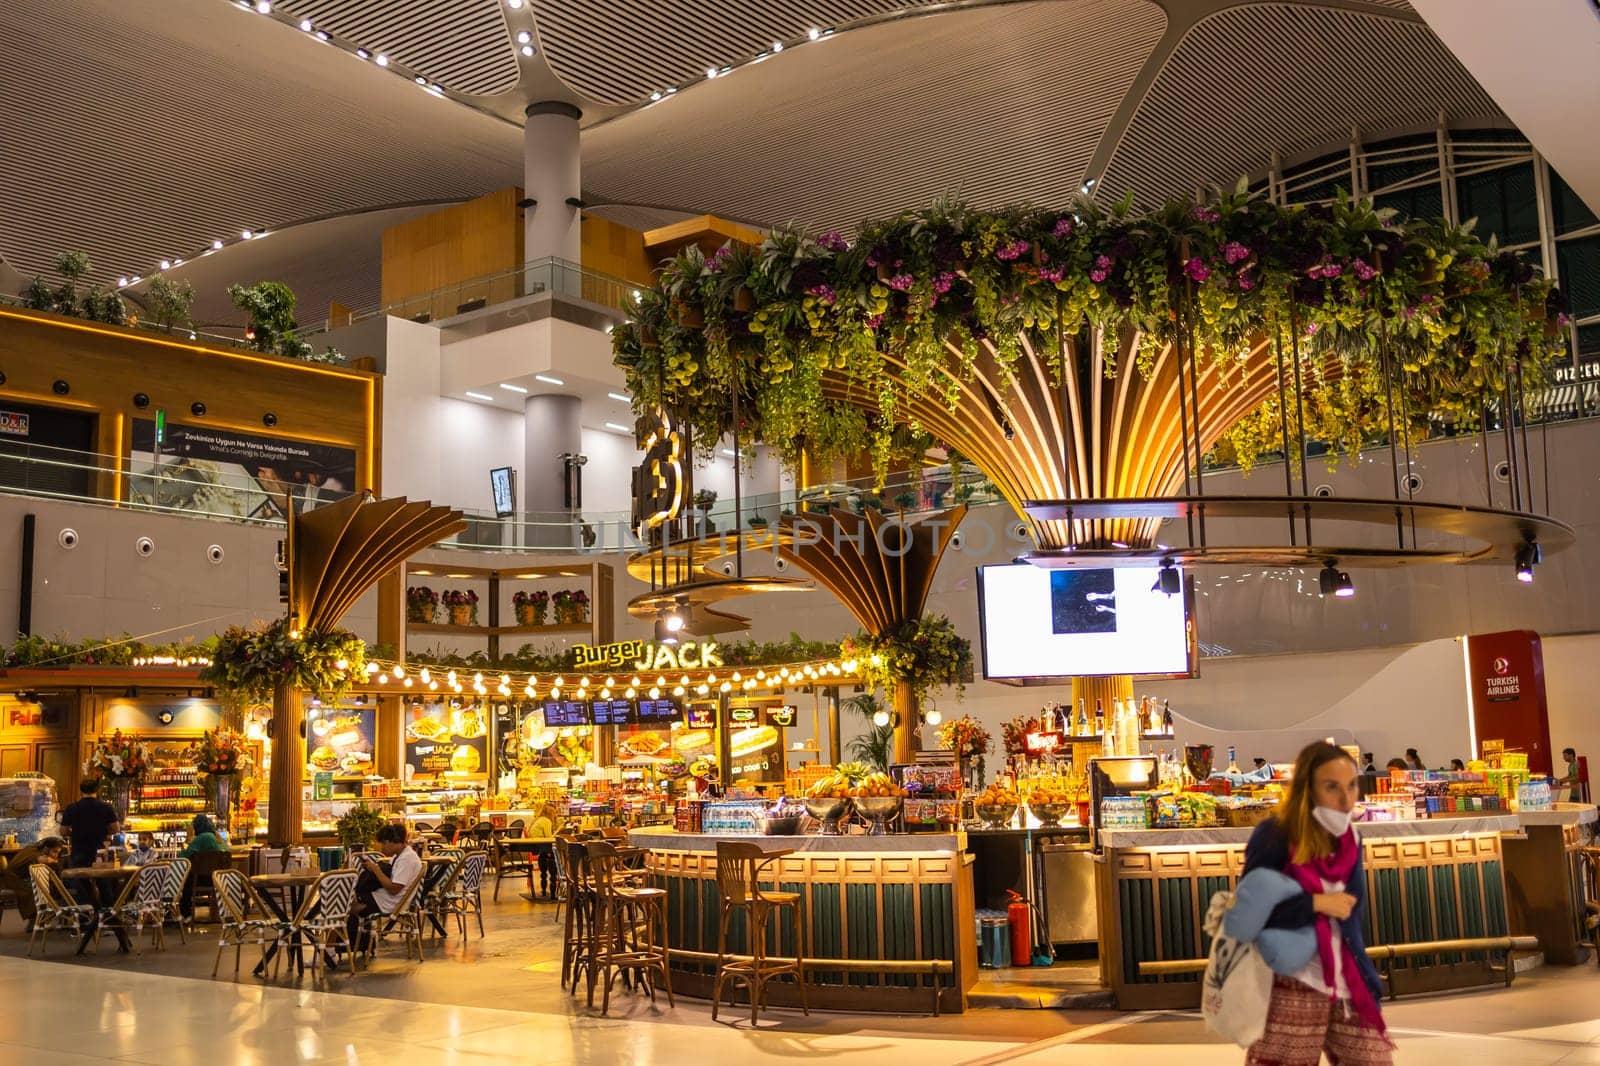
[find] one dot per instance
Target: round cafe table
(100, 879)
(274, 890)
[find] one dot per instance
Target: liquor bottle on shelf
(1083, 718)
(1166, 717)
(1099, 718)
(1108, 744)
(1130, 728)
(1233, 760)
(1152, 715)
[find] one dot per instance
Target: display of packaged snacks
(1124, 812)
(1181, 810)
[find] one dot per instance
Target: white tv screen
(1077, 623)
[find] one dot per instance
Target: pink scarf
(1339, 865)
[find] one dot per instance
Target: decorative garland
(107, 651)
(1458, 314)
(250, 664)
(926, 653)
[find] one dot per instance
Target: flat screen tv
(1038, 623)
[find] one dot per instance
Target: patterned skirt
(1302, 1023)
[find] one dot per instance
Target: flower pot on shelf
(421, 613)
(524, 613)
(461, 614)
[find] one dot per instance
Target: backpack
(1237, 988)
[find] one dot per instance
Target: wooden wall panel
(104, 366)
(451, 245)
(610, 248)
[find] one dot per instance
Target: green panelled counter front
(893, 914)
(1427, 880)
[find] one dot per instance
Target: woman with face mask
(1304, 863)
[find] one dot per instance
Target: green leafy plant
(926, 653)
(250, 664)
(169, 302)
(358, 825)
(272, 327)
(875, 747)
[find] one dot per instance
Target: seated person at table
(544, 824)
(205, 838)
(448, 831)
(15, 876)
(145, 853)
(89, 822)
(381, 884)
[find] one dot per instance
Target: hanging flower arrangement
(250, 664)
(219, 751)
(118, 757)
(927, 653)
(902, 309)
(965, 736)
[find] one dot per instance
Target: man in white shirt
(382, 884)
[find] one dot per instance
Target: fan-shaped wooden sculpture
(881, 569)
(335, 554)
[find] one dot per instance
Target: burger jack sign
(646, 655)
(1507, 697)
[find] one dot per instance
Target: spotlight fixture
(269, 420)
(524, 37)
(1168, 580)
(527, 49)
(813, 33)
(777, 46)
(166, 264)
(1335, 582)
(305, 25)
(655, 96)
(197, 409)
(216, 246)
(59, 387)
(140, 400)
(246, 234)
(382, 60)
(664, 634)
(1528, 556)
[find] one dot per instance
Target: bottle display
(1083, 718)
(1233, 760)
(1099, 718)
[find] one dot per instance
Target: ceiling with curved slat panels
(1226, 96)
(1011, 109)
(462, 45)
(620, 51)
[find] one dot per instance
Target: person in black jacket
(1332, 1004)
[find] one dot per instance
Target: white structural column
(551, 176)
(551, 428)
(1539, 60)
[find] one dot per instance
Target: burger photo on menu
(323, 757)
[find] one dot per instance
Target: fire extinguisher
(1019, 916)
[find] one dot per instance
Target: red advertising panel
(1505, 678)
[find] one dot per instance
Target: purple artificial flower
(874, 321)
(1206, 214)
(1052, 274)
(824, 293)
(901, 282)
(1102, 268)
(943, 281)
(1363, 269)
(1014, 250)
(1233, 251)
(1063, 227)
(833, 241)
(720, 257)
(1311, 330)
(1197, 269)
(1246, 283)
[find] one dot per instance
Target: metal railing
(549, 276)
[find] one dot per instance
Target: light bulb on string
(655, 693)
(678, 691)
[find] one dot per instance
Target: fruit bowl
(781, 825)
(827, 810)
(996, 815)
(1049, 813)
(879, 809)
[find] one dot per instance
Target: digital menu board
(614, 712)
(559, 714)
(702, 716)
(662, 710)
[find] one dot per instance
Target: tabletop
(437, 860)
(288, 877)
(98, 872)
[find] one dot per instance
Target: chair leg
(799, 954)
(758, 945)
(722, 940)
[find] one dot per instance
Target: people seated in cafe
(1572, 778)
(544, 825)
(1413, 760)
(143, 853)
(1397, 764)
(204, 838)
(1457, 766)
(448, 831)
(381, 884)
(1367, 765)
(14, 875)
(90, 821)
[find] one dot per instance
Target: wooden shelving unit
(595, 578)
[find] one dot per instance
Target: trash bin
(994, 940)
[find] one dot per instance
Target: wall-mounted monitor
(1039, 623)
(559, 714)
(665, 709)
(503, 483)
(614, 712)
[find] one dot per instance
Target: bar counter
(893, 914)
(1427, 880)
(1547, 887)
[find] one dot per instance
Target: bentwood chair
(510, 863)
(405, 921)
(1590, 857)
(740, 868)
(630, 926)
(322, 920)
(235, 897)
(54, 908)
(149, 896)
(577, 935)
(464, 895)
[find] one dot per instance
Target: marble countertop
(1420, 827)
(664, 838)
(1561, 814)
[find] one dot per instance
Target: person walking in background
(1457, 766)
(1413, 760)
(1367, 765)
(89, 822)
(1570, 778)
(1304, 863)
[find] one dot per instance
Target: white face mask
(1335, 822)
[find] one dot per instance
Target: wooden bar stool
(630, 925)
(577, 932)
(739, 869)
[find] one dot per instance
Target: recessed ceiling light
(619, 429)
(513, 4)
(363, 53)
(655, 96)
(711, 72)
(321, 36)
(480, 396)
(514, 388)
(166, 264)
(777, 46)
(422, 82)
(435, 90)
(216, 246)
(122, 281)
(672, 90)
(305, 25)
(813, 33)
(177, 262)
(135, 280)
(523, 37)
(620, 397)
(382, 60)
(527, 49)
(264, 7)
(246, 234)
(548, 380)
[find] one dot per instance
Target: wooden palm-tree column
(881, 568)
(334, 555)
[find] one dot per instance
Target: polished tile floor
(497, 998)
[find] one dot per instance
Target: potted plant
(571, 606)
(758, 522)
(358, 825)
(906, 500)
(121, 761)
(531, 607)
(462, 606)
(219, 756)
(422, 603)
(704, 499)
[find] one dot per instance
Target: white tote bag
(1238, 983)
